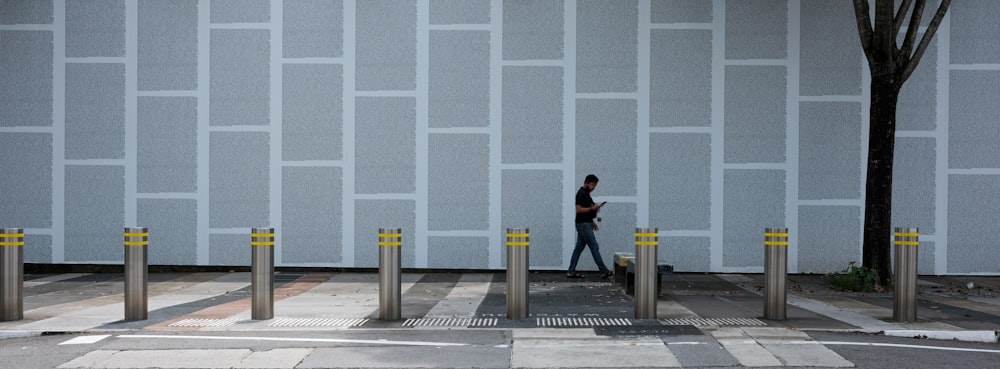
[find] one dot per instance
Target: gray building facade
(455, 119)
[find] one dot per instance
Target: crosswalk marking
(86, 340)
(205, 322)
(703, 322)
(316, 322)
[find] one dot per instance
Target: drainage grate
(714, 321)
(582, 322)
(450, 322)
(317, 322)
(205, 322)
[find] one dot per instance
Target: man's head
(590, 182)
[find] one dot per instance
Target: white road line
(85, 340)
(841, 343)
(284, 339)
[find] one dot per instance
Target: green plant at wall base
(854, 279)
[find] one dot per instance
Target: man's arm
(582, 209)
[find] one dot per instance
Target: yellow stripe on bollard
(907, 238)
(262, 235)
(390, 235)
(13, 239)
(647, 239)
(390, 243)
(517, 243)
(261, 243)
(776, 243)
(517, 235)
(136, 238)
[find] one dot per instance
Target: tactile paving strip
(450, 322)
(205, 322)
(317, 322)
(582, 322)
(703, 322)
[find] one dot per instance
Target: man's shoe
(574, 275)
(607, 274)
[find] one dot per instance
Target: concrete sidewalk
(948, 307)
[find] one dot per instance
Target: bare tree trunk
(878, 186)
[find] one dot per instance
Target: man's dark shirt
(583, 199)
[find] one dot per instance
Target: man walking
(586, 211)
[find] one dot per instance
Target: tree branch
(897, 22)
(932, 28)
(912, 30)
(861, 11)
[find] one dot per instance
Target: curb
(966, 336)
(18, 334)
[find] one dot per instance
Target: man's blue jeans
(584, 237)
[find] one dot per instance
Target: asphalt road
(439, 348)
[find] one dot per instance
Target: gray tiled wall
(459, 11)
(95, 28)
(533, 199)
(240, 76)
(754, 200)
(972, 223)
(453, 120)
(386, 159)
(386, 45)
(459, 91)
(828, 168)
(606, 143)
(972, 134)
(240, 11)
(606, 48)
(532, 114)
(27, 191)
(973, 33)
(829, 52)
(239, 180)
(167, 45)
(681, 11)
(533, 29)
(95, 111)
(94, 210)
(167, 144)
(680, 91)
(312, 125)
(756, 29)
(174, 240)
(458, 185)
(311, 223)
(30, 104)
(828, 237)
(313, 28)
(680, 181)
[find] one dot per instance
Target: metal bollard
(136, 244)
(11, 274)
(389, 291)
(646, 274)
(517, 273)
(904, 295)
(262, 273)
(775, 273)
